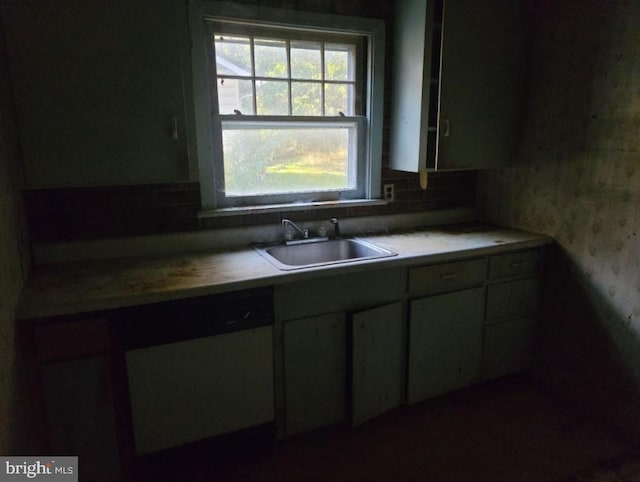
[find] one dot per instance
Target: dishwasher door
(205, 370)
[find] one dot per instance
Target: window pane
(235, 94)
(338, 98)
(279, 160)
(339, 62)
(233, 55)
(272, 97)
(271, 58)
(306, 61)
(305, 97)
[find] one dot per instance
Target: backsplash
(72, 214)
(578, 180)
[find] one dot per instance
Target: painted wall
(578, 180)
(14, 264)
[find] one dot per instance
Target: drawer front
(339, 293)
(511, 265)
(512, 299)
(447, 276)
(73, 339)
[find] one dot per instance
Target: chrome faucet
(336, 227)
(303, 232)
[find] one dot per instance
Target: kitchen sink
(322, 253)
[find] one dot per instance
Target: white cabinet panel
(507, 347)
(315, 372)
(458, 85)
(513, 299)
(445, 343)
(345, 292)
(191, 390)
(378, 361)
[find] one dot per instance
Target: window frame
(208, 122)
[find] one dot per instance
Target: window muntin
(268, 23)
(263, 75)
(278, 98)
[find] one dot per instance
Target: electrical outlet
(389, 192)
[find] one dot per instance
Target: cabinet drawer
(346, 292)
(447, 276)
(73, 339)
(512, 299)
(519, 264)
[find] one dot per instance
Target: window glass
(281, 159)
(283, 124)
(271, 58)
(306, 60)
(233, 55)
(306, 98)
(338, 99)
(338, 62)
(235, 95)
(272, 97)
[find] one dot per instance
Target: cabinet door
(445, 343)
(512, 299)
(481, 84)
(378, 361)
(507, 347)
(81, 415)
(97, 86)
(315, 372)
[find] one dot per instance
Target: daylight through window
(290, 113)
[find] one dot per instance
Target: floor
(509, 430)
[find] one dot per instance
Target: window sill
(239, 211)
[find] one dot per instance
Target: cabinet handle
(446, 128)
(516, 264)
(174, 127)
(446, 276)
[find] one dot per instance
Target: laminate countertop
(89, 286)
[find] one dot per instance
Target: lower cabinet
(378, 361)
(80, 413)
(315, 372)
(445, 343)
(344, 349)
(319, 361)
(508, 347)
(78, 391)
(511, 313)
(306, 354)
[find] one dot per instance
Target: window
(288, 106)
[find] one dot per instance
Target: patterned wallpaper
(578, 180)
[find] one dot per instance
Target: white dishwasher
(199, 368)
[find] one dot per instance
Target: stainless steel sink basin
(322, 253)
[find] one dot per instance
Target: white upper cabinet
(98, 90)
(458, 83)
